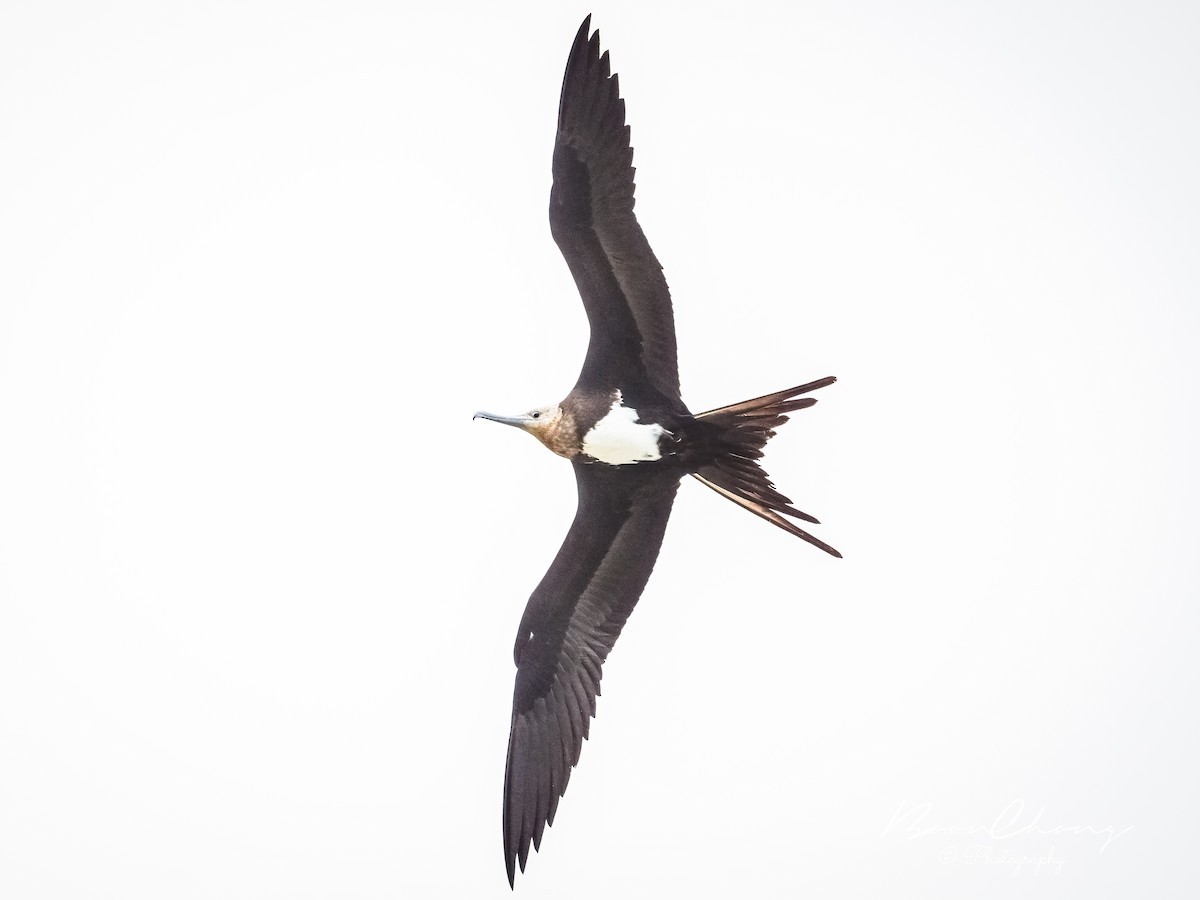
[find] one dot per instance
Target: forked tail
(743, 429)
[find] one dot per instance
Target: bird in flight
(630, 439)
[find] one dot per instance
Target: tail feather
(743, 429)
(772, 404)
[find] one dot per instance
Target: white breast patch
(618, 439)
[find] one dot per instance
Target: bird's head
(549, 424)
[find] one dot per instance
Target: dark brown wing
(591, 216)
(569, 626)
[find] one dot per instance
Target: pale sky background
(260, 573)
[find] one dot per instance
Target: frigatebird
(630, 439)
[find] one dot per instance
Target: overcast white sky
(260, 572)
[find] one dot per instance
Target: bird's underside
(630, 439)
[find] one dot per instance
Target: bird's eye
(535, 414)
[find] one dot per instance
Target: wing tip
(581, 35)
